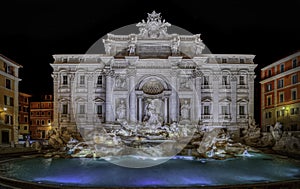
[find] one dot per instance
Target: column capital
(196, 74)
(109, 73)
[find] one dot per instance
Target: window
(206, 80)
(294, 94)
(294, 111)
(269, 87)
(206, 110)
(224, 60)
(65, 80)
(242, 80)
(8, 119)
(224, 110)
(281, 97)
(82, 80)
(278, 113)
(99, 80)
(269, 100)
(225, 80)
(38, 122)
(81, 109)
(43, 122)
(294, 63)
(280, 83)
(269, 73)
(25, 128)
(64, 109)
(49, 113)
(294, 79)
(9, 101)
(270, 114)
(49, 121)
(242, 110)
(281, 68)
(242, 60)
(99, 109)
(26, 119)
(8, 83)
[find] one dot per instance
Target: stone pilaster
(233, 107)
(109, 113)
(132, 96)
(215, 106)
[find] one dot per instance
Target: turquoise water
(178, 171)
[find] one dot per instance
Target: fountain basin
(180, 171)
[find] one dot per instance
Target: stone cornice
(291, 71)
(281, 61)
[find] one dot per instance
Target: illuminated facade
(280, 98)
(24, 115)
(9, 98)
(41, 117)
(153, 68)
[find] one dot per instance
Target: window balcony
(225, 117)
(206, 117)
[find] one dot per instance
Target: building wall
(282, 107)
(9, 98)
(41, 117)
(24, 116)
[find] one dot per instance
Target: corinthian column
(132, 96)
(109, 114)
(173, 97)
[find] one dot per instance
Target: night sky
(33, 30)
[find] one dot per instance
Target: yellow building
(9, 100)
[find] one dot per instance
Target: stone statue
(131, 49)
(120, 82)
(121, 110)
(185, 110)
(175, 46)
(151, 115)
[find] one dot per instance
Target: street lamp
(4, 110)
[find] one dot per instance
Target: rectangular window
(294, 79)
(281, 68)
(8, 83)
(65, 80)
(99, 109)
(269, 102)
(8, 120)
(206, 110)
(25, 128)
(294, 94)
(206, 80)
(49, 121)
(280, 83)
(278, 113)
(82, 80)
(43, 122)
(269, 73)
(224, 110)
(224, 60)
(269, 87)
(9, 101)
(294, 62)
(242, 110)
(225, 80)
(270, 114)
(99, 80)
(281, 97)
(64, 109)
(242, 80)
(37, 122)
(294, 111)
(242, 60)
(81, 109)
(266, 115)
(26, 119)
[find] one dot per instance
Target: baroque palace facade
(153, 73)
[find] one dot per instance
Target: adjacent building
(168, 72)
(41, 116)
(24, 116)
(9, 95)
(280, 98)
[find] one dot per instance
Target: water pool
(177, 172)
